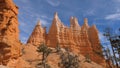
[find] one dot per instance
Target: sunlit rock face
(80, 39)
(9, 33)
(38, 35)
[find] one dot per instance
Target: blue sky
(103, 13)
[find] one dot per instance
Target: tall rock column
(9, 32)
(95, 43)
(54, 32)
(38, 35)
(75, 27)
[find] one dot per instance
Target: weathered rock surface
(80, 39)
(1, 66)
(38, 35)
(9, 33)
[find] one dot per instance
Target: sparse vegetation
(58, 48)
(45, 53)
(114, 44)
(87, 58)
(69, 60)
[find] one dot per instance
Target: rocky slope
(31, 56)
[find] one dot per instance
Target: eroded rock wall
(9, 32)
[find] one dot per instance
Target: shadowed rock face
(9, 33)
(4, 53)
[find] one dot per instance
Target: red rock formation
(9, 33)
(97, 49)
(82, 40)
(78, 39)
(54, 31)
(38, 35)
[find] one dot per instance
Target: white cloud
(115, 16)
(45, 17)
(53, 2)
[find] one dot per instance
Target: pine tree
(114, 42)
(45, 53)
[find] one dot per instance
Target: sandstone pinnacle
(37, 36)
(86, 22)
(85, 26)
(56, 15)
(94, 27)
(39, 23)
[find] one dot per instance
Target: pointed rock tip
(56, 15)
(71, 17)
(85, 20)
(75, 18)
(39, 23)
(94, 26)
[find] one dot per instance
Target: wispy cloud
(115, 16)
(53, 2)
(89, 12)
(43, 21)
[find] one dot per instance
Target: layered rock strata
(9, 33)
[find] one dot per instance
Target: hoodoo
(82, 40)
(38, 35)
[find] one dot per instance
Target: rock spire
(38, 35)
(82, 40)
(85, 25)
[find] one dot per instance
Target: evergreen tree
(45, 53)
(114, 42)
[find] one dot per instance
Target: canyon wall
(9, 32)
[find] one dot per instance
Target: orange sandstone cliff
(9, 32)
